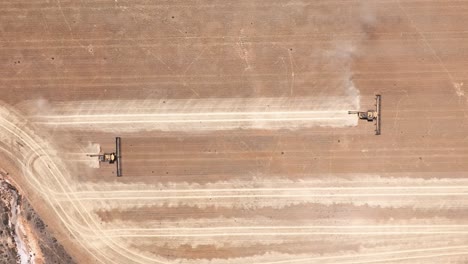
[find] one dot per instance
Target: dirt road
(236, 142)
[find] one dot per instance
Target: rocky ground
(24, 238)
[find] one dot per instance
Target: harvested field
(237, 145)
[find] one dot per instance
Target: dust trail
(82, 157)
(199, 114)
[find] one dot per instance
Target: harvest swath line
(187, 121)
(292, 234)
(372, 255)
(283, 189)
(269, 196)
(191, 114)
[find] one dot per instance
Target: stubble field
(236, 142)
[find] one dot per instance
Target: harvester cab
(106, 157)
(371, 115)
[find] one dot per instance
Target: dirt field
(236, 142)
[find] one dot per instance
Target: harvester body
(113, 157)
(371, 115)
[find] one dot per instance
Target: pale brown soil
(291, 193)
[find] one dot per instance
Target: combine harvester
(371, 115)
(113, 157)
